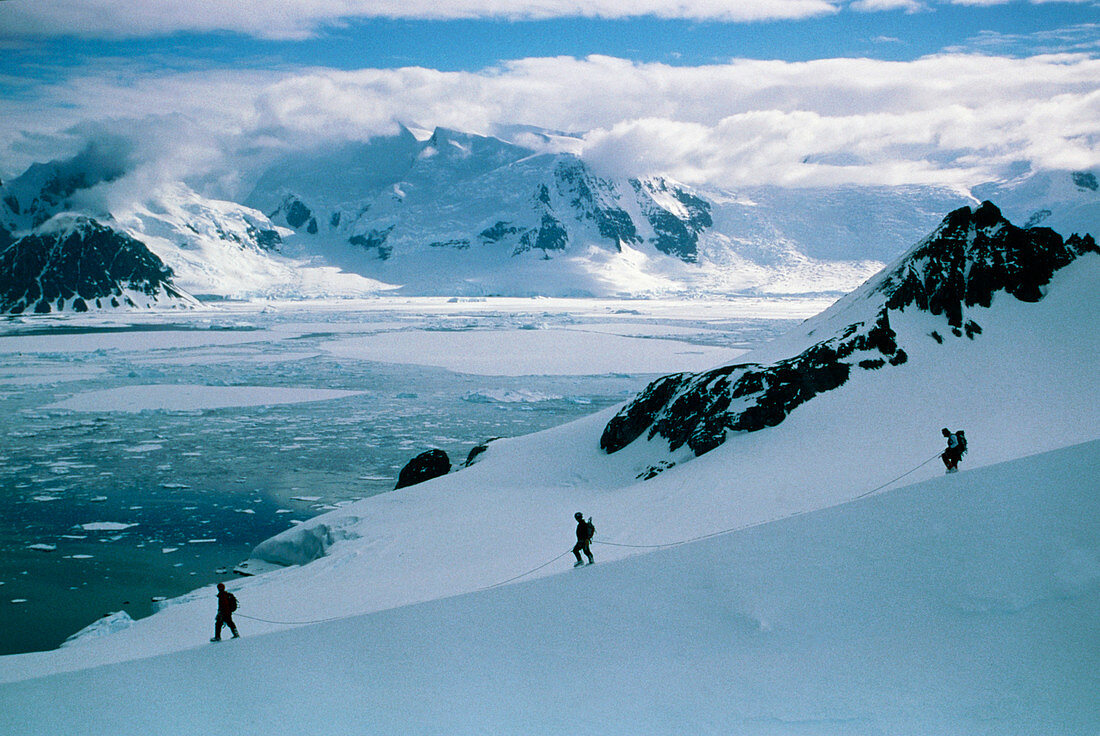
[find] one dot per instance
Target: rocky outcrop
(477, 451)
(374, 240)
(296, 214)
(975, 254)
(78, 264)
(676, 232)
(425, 466)
(971, 256)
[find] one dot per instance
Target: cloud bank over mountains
(943, 119)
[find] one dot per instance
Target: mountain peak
(974, 253)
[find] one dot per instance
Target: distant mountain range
(450, 213)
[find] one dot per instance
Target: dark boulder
(477, 451)
(425, 466)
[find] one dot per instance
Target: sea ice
(506, 396)
(531, 352)
(182, 397)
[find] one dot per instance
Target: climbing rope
(525, 574)
(637, 546)
(336, 618)
(288, 623)
(751, 525)
(895, 480)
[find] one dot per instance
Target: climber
(227, 604)
(956, 447)
(585, 532)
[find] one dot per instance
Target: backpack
(232, 603)
(962, 442)
(591, 528)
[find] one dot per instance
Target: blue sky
(1017, 28)
(801, 91)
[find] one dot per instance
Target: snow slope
(223, 248)
(966, 604)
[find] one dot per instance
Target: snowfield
(964, 604)
(847, 585)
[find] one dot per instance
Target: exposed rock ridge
(970, 257)
(81, 265)
(974, 254)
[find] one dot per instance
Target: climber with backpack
(227, 604)
(585, 531)
(956, 448)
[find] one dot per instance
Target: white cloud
(1079, 38)
(945, 118)
(302, 19)
(871, 6)
(298, 19)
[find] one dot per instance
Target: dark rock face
(593, 198)
(374, 239)
(1085, 180)
(477, 451)
(87, 262)
(265, 239)
(698, 409)
(551, 235)
(296, 214)
(498, 232)
(675, 235)
(425, 466)
(973, 255)
(970, 257)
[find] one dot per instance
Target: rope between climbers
(632, 546)
(287, 623)
(525, 574)
(760, 523)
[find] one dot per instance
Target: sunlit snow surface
(232, 424)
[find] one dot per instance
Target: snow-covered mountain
(468, 214)
(1065, 201)
(210, 246)
(451, 213)
(73, 263)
